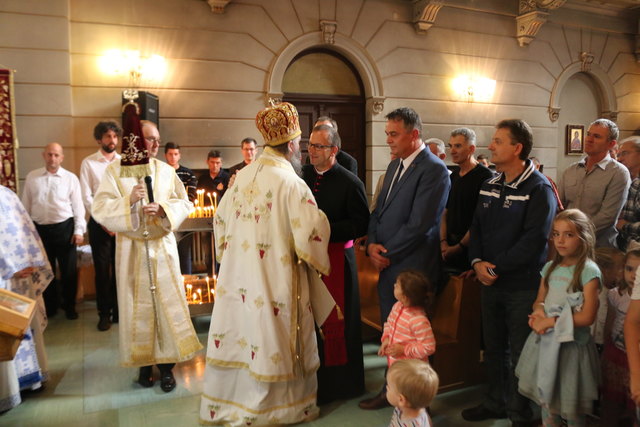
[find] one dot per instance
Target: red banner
(8, 139)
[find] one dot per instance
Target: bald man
(53, 199)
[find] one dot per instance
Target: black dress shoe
(167, 382)
(71, 314)
(104, 324)
(481, 413)
(145, 378)
(377, 402)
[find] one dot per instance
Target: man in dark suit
(341, 196)
(404, 227)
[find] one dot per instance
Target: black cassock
(341, 196)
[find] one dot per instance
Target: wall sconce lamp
(473, 88)
(151, 68)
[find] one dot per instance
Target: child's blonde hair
(633, 249)
(587, 235)
(607, 258)
(415, 380)
(416, 287)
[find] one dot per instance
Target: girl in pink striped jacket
(407, 332)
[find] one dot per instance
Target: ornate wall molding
(276, 97)
(587, 59)
(528, 26)
(328, 29)
(611, 115)
(424, 14)
(354, 52)
(217, 6)
(608, 98)
(551, 4)
(375, 105)
(532, 14)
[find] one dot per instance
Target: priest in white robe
(271, 242)
(154, 329)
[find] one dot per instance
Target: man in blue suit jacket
(404, 228)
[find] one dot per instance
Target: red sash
(335, 346)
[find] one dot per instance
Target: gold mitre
(278, 123)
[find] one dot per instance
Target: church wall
(36, 45)
(219, 67)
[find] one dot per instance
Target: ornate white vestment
(21, 248)
(140, 343)
(271, 242)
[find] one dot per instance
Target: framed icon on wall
(574, 143)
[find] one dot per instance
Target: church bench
(455, 322)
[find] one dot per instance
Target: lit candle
(215, 201)
(211, 200)
(208, 290)
(199, 296)
(189, 288)
(199, 197)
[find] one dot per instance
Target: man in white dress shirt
(53, 199)
(103, 241)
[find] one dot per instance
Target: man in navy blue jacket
(507, 250)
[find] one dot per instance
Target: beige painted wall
(37, 47)
(219, 67)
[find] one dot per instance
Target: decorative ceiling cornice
(424, 14)
(532, 14)
(217, 6)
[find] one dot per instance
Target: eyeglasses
(319, 147)
(152, 140)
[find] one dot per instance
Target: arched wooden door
(320, 82)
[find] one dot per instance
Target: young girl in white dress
(558, 367)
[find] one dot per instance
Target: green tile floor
(88, 388)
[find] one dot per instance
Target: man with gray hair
(436, 145)
(463, 197)
(628, 224)
(597, 184)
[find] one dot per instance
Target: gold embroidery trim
(255, 375)
(300, 402)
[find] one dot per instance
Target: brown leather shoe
(377, 402)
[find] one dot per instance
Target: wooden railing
(455, 322)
